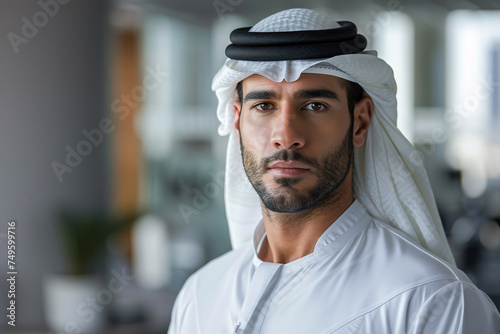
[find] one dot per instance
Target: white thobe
(363, 277)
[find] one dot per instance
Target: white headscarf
(389, 177)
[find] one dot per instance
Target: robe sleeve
(457, 308)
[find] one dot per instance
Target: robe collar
(341, 231)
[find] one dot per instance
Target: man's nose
(288, 130)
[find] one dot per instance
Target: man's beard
(331, 172)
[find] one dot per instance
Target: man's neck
(291, 236)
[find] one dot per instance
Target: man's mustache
(289, 155)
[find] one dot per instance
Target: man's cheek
(257, 136)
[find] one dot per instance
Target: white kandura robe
(363, 277)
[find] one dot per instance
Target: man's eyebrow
(316, 93)
(260, 95)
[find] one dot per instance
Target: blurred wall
(52, 89)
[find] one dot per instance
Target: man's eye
(263, 106)
(315, 106)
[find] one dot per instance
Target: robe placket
(256, 303)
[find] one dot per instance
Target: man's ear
(237, 114)
(363, 113)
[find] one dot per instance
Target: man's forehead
(305, 81)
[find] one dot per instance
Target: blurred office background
(107, 119)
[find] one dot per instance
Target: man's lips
(288, 168)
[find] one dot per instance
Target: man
(349, 239)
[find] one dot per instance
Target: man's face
(296, 139)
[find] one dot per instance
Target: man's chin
(286, 191)
(284, 202)
(285, 208)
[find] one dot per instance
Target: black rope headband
(294, 45)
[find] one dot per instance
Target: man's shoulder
(406, 258)
(393, 271)
(215, 271)
(203, 289)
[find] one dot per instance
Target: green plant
(85, 236)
